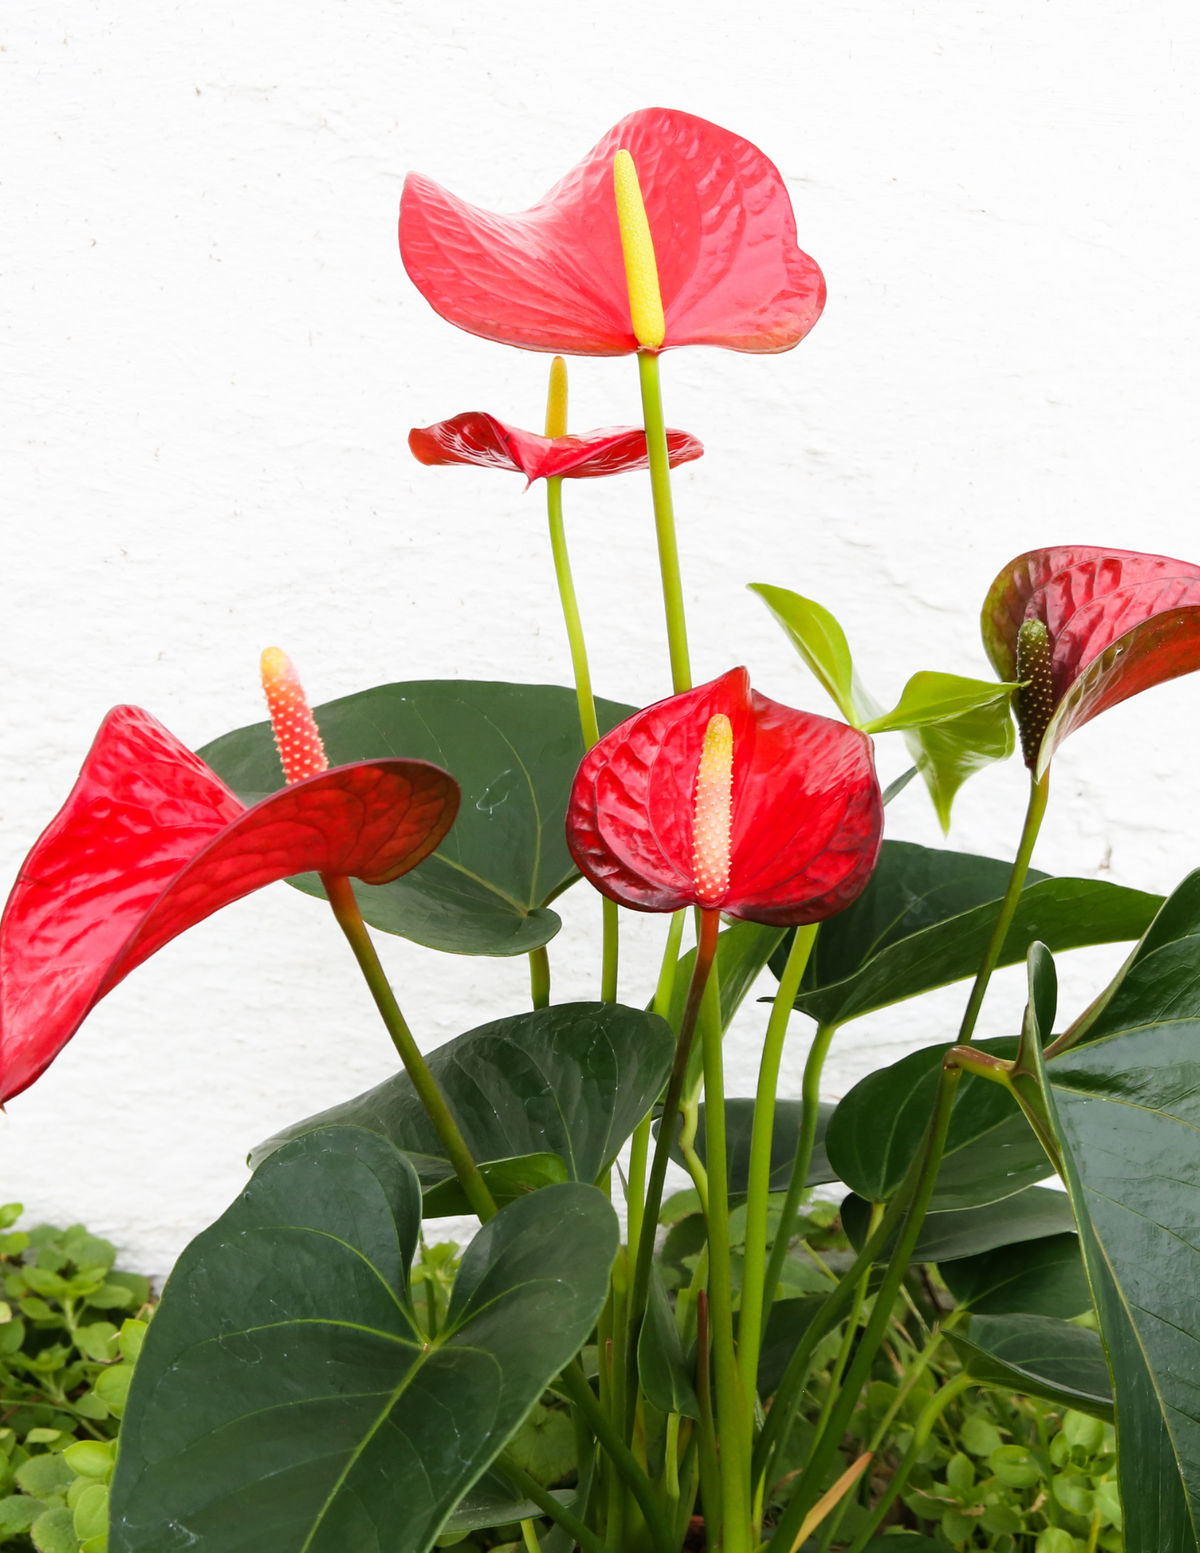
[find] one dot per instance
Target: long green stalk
(539, 977)
(345, 909)
(664, 520)
(1039, 792)
(810, 1113)
(750, 1322)
(831, 1436)
(733, 1422)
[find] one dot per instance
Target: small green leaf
(10, 1213)
(819, 640)
(1039, 1357)
(18, 1513)
(133, 1333)
(45, 1475)
(91, 1512)
(90, 1458)
(931, 698)
(1016, 1466)
(54, 1532)
(112, 1387)
(665, 1372)
(98, 1341)
(544, 1445)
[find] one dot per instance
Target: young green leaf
(819, 640)
(931, 698)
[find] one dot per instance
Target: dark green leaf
(786, 1325)
(925, 918)
(785, 1135)
(544, 1445)
(1039, 1357)
(513, 750)
(492, 1502)
(666, 1374)
(285, 1390)
(1029, 1215)
(507, 1179)
(991, 1151)
(1038, 1278)
(906, 1542)
(572, 1080)
(1126, 1108)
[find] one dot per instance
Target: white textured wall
(211, 356)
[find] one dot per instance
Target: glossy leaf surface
(1119, 622)
(931, 698)
(947, 753)
(493, 1502)
(475, 437)
(876, 1130)
(785, 1135)
(806, 808)
(666, 1376)
(925, 918)
(572, 1080)
(1042, 1277)
(513, 750)
(819, 639)
(1039, 1357)
(1034, 1214)
(150, 842)
(285, 1382)
(553, 277)
(1126, 1108)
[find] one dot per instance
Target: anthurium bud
(297, 738)
(641, 268)
(1035, 698)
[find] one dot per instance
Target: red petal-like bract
(553, 277)
(1119, 622)
(151, 841)
(807, 813)
(475, 437)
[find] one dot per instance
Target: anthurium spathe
(723, 799)
(1085, 628)
(553, 277)
(151, 842)
(475, 437)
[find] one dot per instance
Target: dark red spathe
(151, 842)
(475, 437)
(807, 816)
(553, 277)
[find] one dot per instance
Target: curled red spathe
(151, 841)
(552, 278)
(807, 816)
(475, 437)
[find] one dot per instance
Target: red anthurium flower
(553, 278)
(722, 799)
(1116, 622)
(474, 437)
(151, 841)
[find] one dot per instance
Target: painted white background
(211, 358)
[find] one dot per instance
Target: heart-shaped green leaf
(513, 750)
(785, 1135)
(1039, 1357)
(285, 1393)
(1126, 1110)
(925, 919)
(786, 1325)
(665, 1372)
(573, 1080)
(931, 698)
(1042, 1277)
(1035, 1213)
(991, 1151)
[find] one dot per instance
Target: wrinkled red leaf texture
(1119, 622)
(475, 437)
(553, 277)
(151, 842)
(807, 816)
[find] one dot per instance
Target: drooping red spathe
(151, 841)
(553, 277)
(475, 437)
(1118, 621)
(807, 815)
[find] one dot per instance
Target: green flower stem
(710, 1471)
(830, 1439)
(539, 977)
(750, 1324)
(549, 1505)
(810, 1112)
(345, 908)
(790, 1391)
(706, 949)
(664, 520)
(610, 952)
(575, 1385)
(635, 1195)
(733, 1420)
(1039, 792)
(930, 1414)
